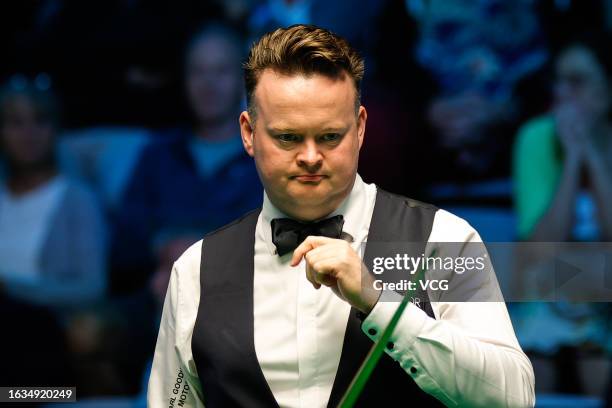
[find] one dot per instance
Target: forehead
(213, 48)
(304, 99)
(578, 58)
(19, 104)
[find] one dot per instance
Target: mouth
(309, 178)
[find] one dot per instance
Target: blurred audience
(477, 52)
(52, 233)
(395, 94)
(563, 161)
(359, 29)
(563, 189)
(122, 51)
(448, 84)
(192, 179)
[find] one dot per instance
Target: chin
(311, 191)
(307, 198)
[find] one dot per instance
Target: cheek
(592, 99)
(345, 158)
(601, 97)
(272, 163)
(47, 137)
(561, 93)
(14, 138)
(191, 88)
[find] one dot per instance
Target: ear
(246, 132)
(361, 124)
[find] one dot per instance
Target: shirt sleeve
(467, 356)
(174, 381)
(536, 172)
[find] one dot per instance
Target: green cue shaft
(371, 360)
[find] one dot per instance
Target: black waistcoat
(223, 342)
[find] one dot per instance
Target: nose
(562, 91)
(309, 155)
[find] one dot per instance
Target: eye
(330, 137)
(287, 137)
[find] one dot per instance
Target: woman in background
(563, 161)
(563, 192)
(52, 234)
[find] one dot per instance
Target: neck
(217, 131)
(25, 180)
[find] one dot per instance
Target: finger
(327, 256)
(324, 271)
(310, 275)
(313, 257)
(321, 265)
(327, 280)
(309, 243)
(322, 252)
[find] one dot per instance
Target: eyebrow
(282, 130)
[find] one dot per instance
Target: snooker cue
(365, 370)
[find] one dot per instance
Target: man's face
(213, 79)
(305, 141)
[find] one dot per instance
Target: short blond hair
(306, 50)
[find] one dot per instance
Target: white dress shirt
(467, 356)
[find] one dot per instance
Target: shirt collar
(352, 209)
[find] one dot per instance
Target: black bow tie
(287, 234)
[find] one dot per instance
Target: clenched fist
(333, 263)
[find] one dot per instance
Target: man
(190, 179)
(249, 318)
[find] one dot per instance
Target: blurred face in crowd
(213, 78)
(581, 80)
(27, 133)
(305, 140)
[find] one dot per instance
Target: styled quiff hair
(302, 49)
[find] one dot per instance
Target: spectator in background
(360, 29)
(563, 190)
(397, 88)
(191, 180)
(563, 161)
(123, 52)
(477, 52)
(52, 234)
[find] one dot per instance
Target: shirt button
(372, 331)
(413, 370)
(390, 345)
